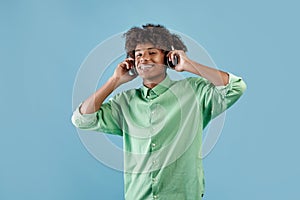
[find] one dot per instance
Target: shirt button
(153, 144)
(155, 197)
(153, 179)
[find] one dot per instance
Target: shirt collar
(158, 89)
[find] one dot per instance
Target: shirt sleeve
(104, 120)
(216, 99)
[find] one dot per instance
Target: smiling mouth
(146, 66)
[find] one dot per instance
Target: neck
(152, 83)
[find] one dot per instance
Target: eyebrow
(145, 49)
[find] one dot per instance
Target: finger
(169, 55)
(130, 62)
(126, 63)
(174, 56)
(129, 59)
(123, 65)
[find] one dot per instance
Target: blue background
(43, 44)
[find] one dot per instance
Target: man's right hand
(121, 73)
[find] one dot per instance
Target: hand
(182, 59)
(122, 71)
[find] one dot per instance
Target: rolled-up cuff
(81, 120)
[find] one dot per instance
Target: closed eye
(138, 55)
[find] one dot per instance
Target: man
(162, 122)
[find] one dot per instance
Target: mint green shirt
(162, 134)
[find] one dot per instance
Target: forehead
(143, 47)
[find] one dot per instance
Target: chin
(151, 76)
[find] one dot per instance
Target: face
(149, 62)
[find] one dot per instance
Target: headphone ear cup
(166, 60)
(132, 71)
(130, 56)
(171, 64)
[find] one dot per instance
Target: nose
(144, 57)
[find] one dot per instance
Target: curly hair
(157, 35)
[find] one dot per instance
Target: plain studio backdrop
(44, 43)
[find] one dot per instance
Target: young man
(162, 122)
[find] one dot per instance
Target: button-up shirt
(162, 133)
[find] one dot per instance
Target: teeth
(145, 66)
